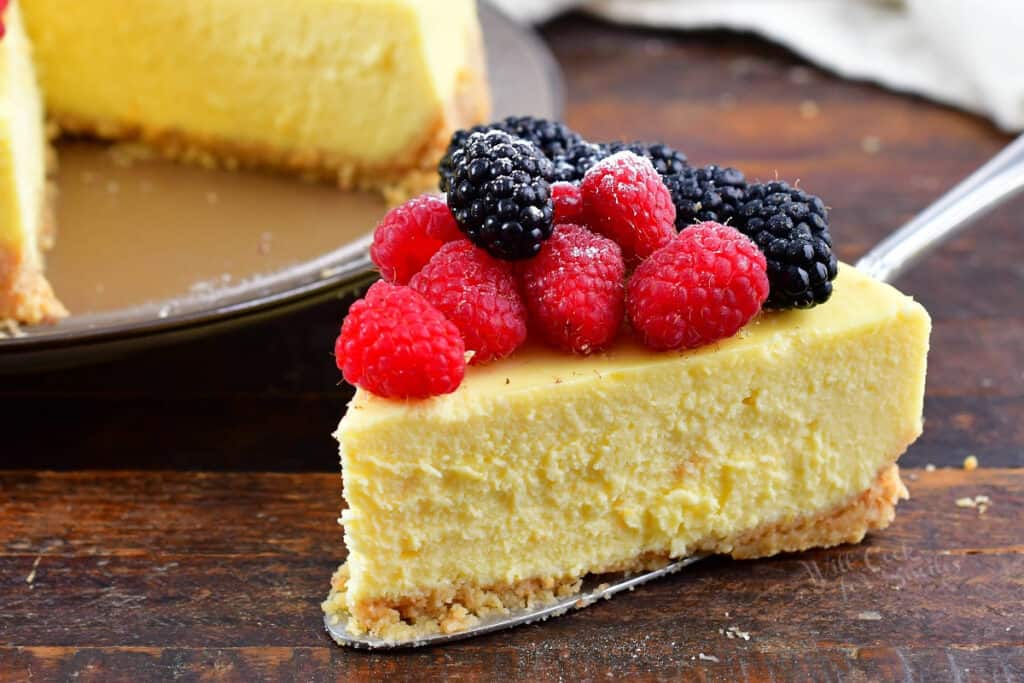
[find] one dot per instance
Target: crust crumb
(980, 502)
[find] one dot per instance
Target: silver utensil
(985, 189)
(997, 181)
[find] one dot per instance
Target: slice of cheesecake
(363, 91)
(543, 467)
(25, 225)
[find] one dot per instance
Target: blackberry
(710, 193)
(574, 164)
(666, 160)
(552, 138)
(459, 137)
(500, 194)
(791, 228)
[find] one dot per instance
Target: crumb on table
(979, 502)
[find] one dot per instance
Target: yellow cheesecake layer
(366, 90)
(25, 295)
(544, 467)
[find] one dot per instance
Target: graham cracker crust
(412, 173)
(442, 611)
(459, 608)
(26, 296)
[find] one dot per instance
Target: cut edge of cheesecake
(27, 163)
(458, 608)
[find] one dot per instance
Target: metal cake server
(992, 184)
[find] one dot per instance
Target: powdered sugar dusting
(625, 159)
(589, 252)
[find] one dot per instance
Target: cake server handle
(985, 189)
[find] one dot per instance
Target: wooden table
(188, 530)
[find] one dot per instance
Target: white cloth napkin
(967, 53)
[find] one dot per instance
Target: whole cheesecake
(365, 93)
(544, 467)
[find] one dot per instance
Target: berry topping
(579, 159)
(479, 294)
(665, 159)
(574, 290)
(445, 169)
(3, 8)
(409, 235)
(443, 227)
(568, 202)
(500, 194)
(710, 193)
(552, 138)
(709, 251)
(396, 345)
(791, 228)
(701, 287)
(625, 199)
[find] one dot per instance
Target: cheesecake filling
(543, 468)
(24, 214)
(362, 91)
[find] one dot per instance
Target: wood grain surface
(156, 575)
(119, 568)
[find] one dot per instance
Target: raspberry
(443, 228)
(702, 286)
(395, 344)
(478, 293)
(625, 199)
(3, 8)
(409, 235)
(501, 194)
(574, 289)
(568, 202)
